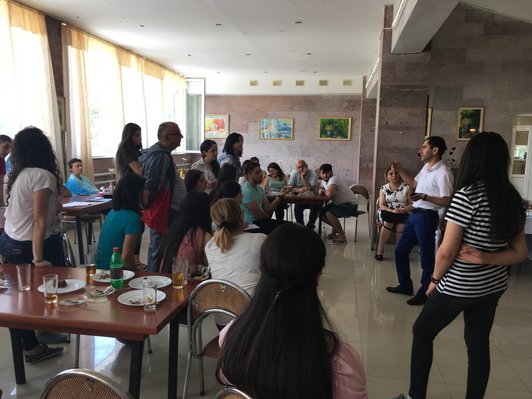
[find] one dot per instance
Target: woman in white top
(32, 231)
(208, 163)
(232, 253)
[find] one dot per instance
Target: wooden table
(27, 310)
(79, 211)
(306, 200)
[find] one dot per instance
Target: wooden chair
(232, 393)
(208, 298)
(360, 190)
(82, 384)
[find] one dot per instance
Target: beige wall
(244, 113)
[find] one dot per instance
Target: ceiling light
(309, 53)
(63, 23)
(189, 55)
(217, 24)
(248, 54)
(140, 26)
(298, 22)
(265, 71)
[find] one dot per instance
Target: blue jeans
(420, 228)
(314, 210)
(22, 252)
(439, 311)
(156, 239)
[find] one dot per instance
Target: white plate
(72, 285)
(104, 276)
(100, 292)
(134, 298)
(161, 281)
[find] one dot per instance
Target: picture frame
(428, 122)
(276, 128)
(334, 128)
(470, 122)
(216, 126)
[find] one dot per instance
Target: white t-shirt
(240, 264)
(342, 193)
(435, 182)
(19, 212)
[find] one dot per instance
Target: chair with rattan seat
(232, 393)
(209, 298)
(82, 384)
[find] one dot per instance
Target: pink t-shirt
(348, 371)
(192, 251)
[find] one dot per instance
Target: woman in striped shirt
(484, 235)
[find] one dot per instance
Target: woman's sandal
(379, 257)
(46, 353)
(336, 241)
(331, 236)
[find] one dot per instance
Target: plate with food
(135, 298)
(162, 281)
(66, 285)
(104, 276)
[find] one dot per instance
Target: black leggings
(439, 311)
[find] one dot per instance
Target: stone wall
(480, 59)
(244, 113)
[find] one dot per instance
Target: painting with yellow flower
(334, 129)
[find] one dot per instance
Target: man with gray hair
(304, 180)
(159, 171)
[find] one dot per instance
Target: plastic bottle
(117, 269)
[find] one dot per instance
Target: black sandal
(46, 353)
(379, 257)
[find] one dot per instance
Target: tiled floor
(376, 323)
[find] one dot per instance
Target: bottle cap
(116, 249)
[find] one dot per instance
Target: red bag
(157, 215)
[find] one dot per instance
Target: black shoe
(400, 290)
(379, 257)
(419, 299)
(47, 338)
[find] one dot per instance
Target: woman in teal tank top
(273, 183)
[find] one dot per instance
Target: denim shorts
(22, 252)
(343, 210)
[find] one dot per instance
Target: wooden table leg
(172, 357)
(79, 232)
(135, 368)
(18, 357)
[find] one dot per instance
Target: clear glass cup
(50, 282)
(179, 273)
(24, 277)
(149, 295)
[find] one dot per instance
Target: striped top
(469, 209)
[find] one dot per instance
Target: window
(195, 111)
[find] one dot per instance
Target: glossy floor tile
(376, 323)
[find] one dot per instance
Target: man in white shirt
(433, 187)
(343, 202)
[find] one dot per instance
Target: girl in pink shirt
(282, 345)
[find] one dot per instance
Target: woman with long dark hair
(274, 183)
(283, 345)
(123, 226)
(232, 151)
(227, 173)
(486, 218)
(188, 235)
(208, 163)
(195, 180)
(32, 231)
(228, 189)
(129, 150)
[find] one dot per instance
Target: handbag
(157, 215)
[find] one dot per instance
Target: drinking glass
(179, 273)
(149, 295)
(90, 269)
(24, 277)
(50, 282)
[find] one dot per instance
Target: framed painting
(428, 122)
(216, 126)
(276, 128)
(470, 122)
(334, 128)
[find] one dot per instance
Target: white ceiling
(262, 40)
(341, 35)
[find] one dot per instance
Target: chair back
(82, 384)
(360, 189)
(232, 393)
(216, 296)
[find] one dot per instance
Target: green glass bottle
(117, 269)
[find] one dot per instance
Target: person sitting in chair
(394, 207)
(343, 202)
(78, 184)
